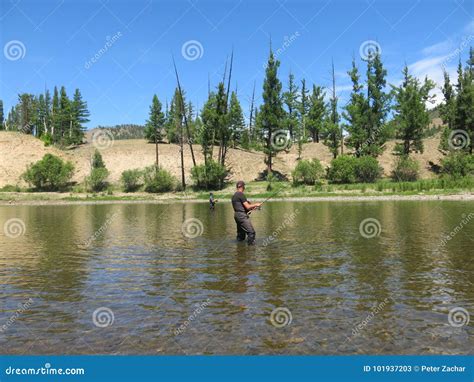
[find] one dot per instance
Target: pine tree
(191, 122)
(65, 117)
(411, 114)
(271, 112)
(378, 102)
(317, 113)
(290, 98)
(55, 116)
(448, 108)
(174, 121)
(207, 134)
(80, 116)
(355, 113)
(97, 160)
(303, 109)
(155, 122)
(464, 114)
(332, 131)
(154, 125)
(236, 120)
(46, 115)
(12, 121)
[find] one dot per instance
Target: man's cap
(240, 184)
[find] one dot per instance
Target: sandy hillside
(19, 150)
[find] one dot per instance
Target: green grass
(438, 186)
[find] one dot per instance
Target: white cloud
(438, 48)
(441, 56)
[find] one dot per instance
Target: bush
(10, 188)
(131, 180)
(47, 139)
(342, 169)
(406, 170)
(367, 169)
(49, 174)
(458, 165)
(97, 161)
(271, 178)
(158, 180)
(210, 176)
(96, 181)
(307, 172)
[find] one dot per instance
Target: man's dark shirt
(238, 201)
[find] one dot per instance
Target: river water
(324, 278)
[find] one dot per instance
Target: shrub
(158, 180)
(458, 165)
(406, 170)
(131, 180)
(47, 139)
(342, 169)
(307, 172)
(210, 176)
(10, 188)
(97, 161)
(49, 174)
(97, 180)
(271, 178)
(367, 169)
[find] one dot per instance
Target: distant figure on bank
(241, 208)
(212, 201)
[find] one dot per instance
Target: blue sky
(53, 42)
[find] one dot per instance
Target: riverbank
(22, 198)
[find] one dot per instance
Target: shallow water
(156, 291)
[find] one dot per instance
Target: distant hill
(119, 132)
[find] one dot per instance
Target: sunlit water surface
(171, 294)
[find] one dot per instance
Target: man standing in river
(241, 209)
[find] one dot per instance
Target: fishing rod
(266, 200)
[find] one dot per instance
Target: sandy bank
(170, 198)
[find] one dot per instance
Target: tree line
(375, 112)
(294, 115)
(55, 119)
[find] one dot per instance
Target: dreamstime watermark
(196, 312)
(192, 50)
(109, 42)
(458, 317)
(25, 129)
(466, 42)
(287, 42)
(465, 221)
(458, 139)
(14, 50)
(280, 140)
(103, 317)
(288, 219)
(101, 230)
(370, 228)
(192, 228)
(369, 141)
(14, 228)
(21, 309)
(357, 329)
(281, 317)
(102, 139)
(368, 49)
(44, 370)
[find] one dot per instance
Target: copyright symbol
(416, 368)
